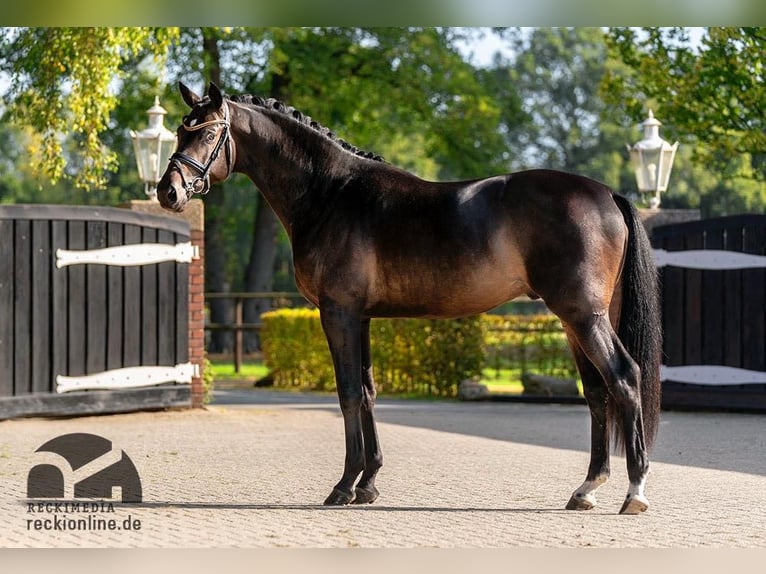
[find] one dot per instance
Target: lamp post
(153, 147)
(652, 160)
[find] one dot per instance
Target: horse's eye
(210, 137)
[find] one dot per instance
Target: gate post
(195, 215)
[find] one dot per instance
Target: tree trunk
(221, 310)
(259, 275)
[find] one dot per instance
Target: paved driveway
(253, 469)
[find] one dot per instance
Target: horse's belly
(446, 295)
(471, 299)
(451, 284)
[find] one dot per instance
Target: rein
(201, 182)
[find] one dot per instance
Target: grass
(223, 370)
(502, 380)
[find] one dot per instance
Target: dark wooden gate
(714, 312)
(70, 331)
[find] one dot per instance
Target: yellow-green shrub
(535, 343)
(295, 349)
(409, 355)
(418, 356)
(426, 356)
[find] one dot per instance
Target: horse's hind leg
(605, 351)
(596, 394)
(373, 458)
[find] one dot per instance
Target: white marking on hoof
(634, 505)
(635, 501)
(581, 502)
(584, 497)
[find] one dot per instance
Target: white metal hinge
(129, 377)
(708, 259)
(126, 255)
(711, 375)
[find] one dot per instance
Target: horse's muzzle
(171, 195)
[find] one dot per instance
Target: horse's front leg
(373, 458)
(343, 331)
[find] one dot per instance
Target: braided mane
(297, 115)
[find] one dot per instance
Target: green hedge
(418, 356)
(295, 349)
(409, 355)
(426, 356)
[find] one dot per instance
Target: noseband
(201, 182)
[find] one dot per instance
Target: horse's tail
(640, 324)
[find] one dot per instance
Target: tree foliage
(714, 91)
(64, 86)
(377, 86)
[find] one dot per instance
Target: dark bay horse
(370, 240)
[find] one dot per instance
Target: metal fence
(238, 326)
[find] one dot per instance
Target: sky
(484, 49)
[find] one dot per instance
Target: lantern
(153, 147)
(652, 160)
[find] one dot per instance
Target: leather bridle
(201, 182)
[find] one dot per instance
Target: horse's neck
(292, 166)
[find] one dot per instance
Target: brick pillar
(197, 306)
(195, 215)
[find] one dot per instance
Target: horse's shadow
(347, 508)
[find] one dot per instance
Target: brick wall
(197, 312)
(195, 215)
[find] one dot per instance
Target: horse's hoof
(581, 502)
(366, 495)
(339, 498)
(634, 505)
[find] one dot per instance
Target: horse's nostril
(172, 196)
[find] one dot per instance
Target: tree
(374, 86)
(695, 185)
(715, 92)
(63, 83)
(556, 73)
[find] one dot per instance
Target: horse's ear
(216, 97)
(189, 97)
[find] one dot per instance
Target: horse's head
(198, 161)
